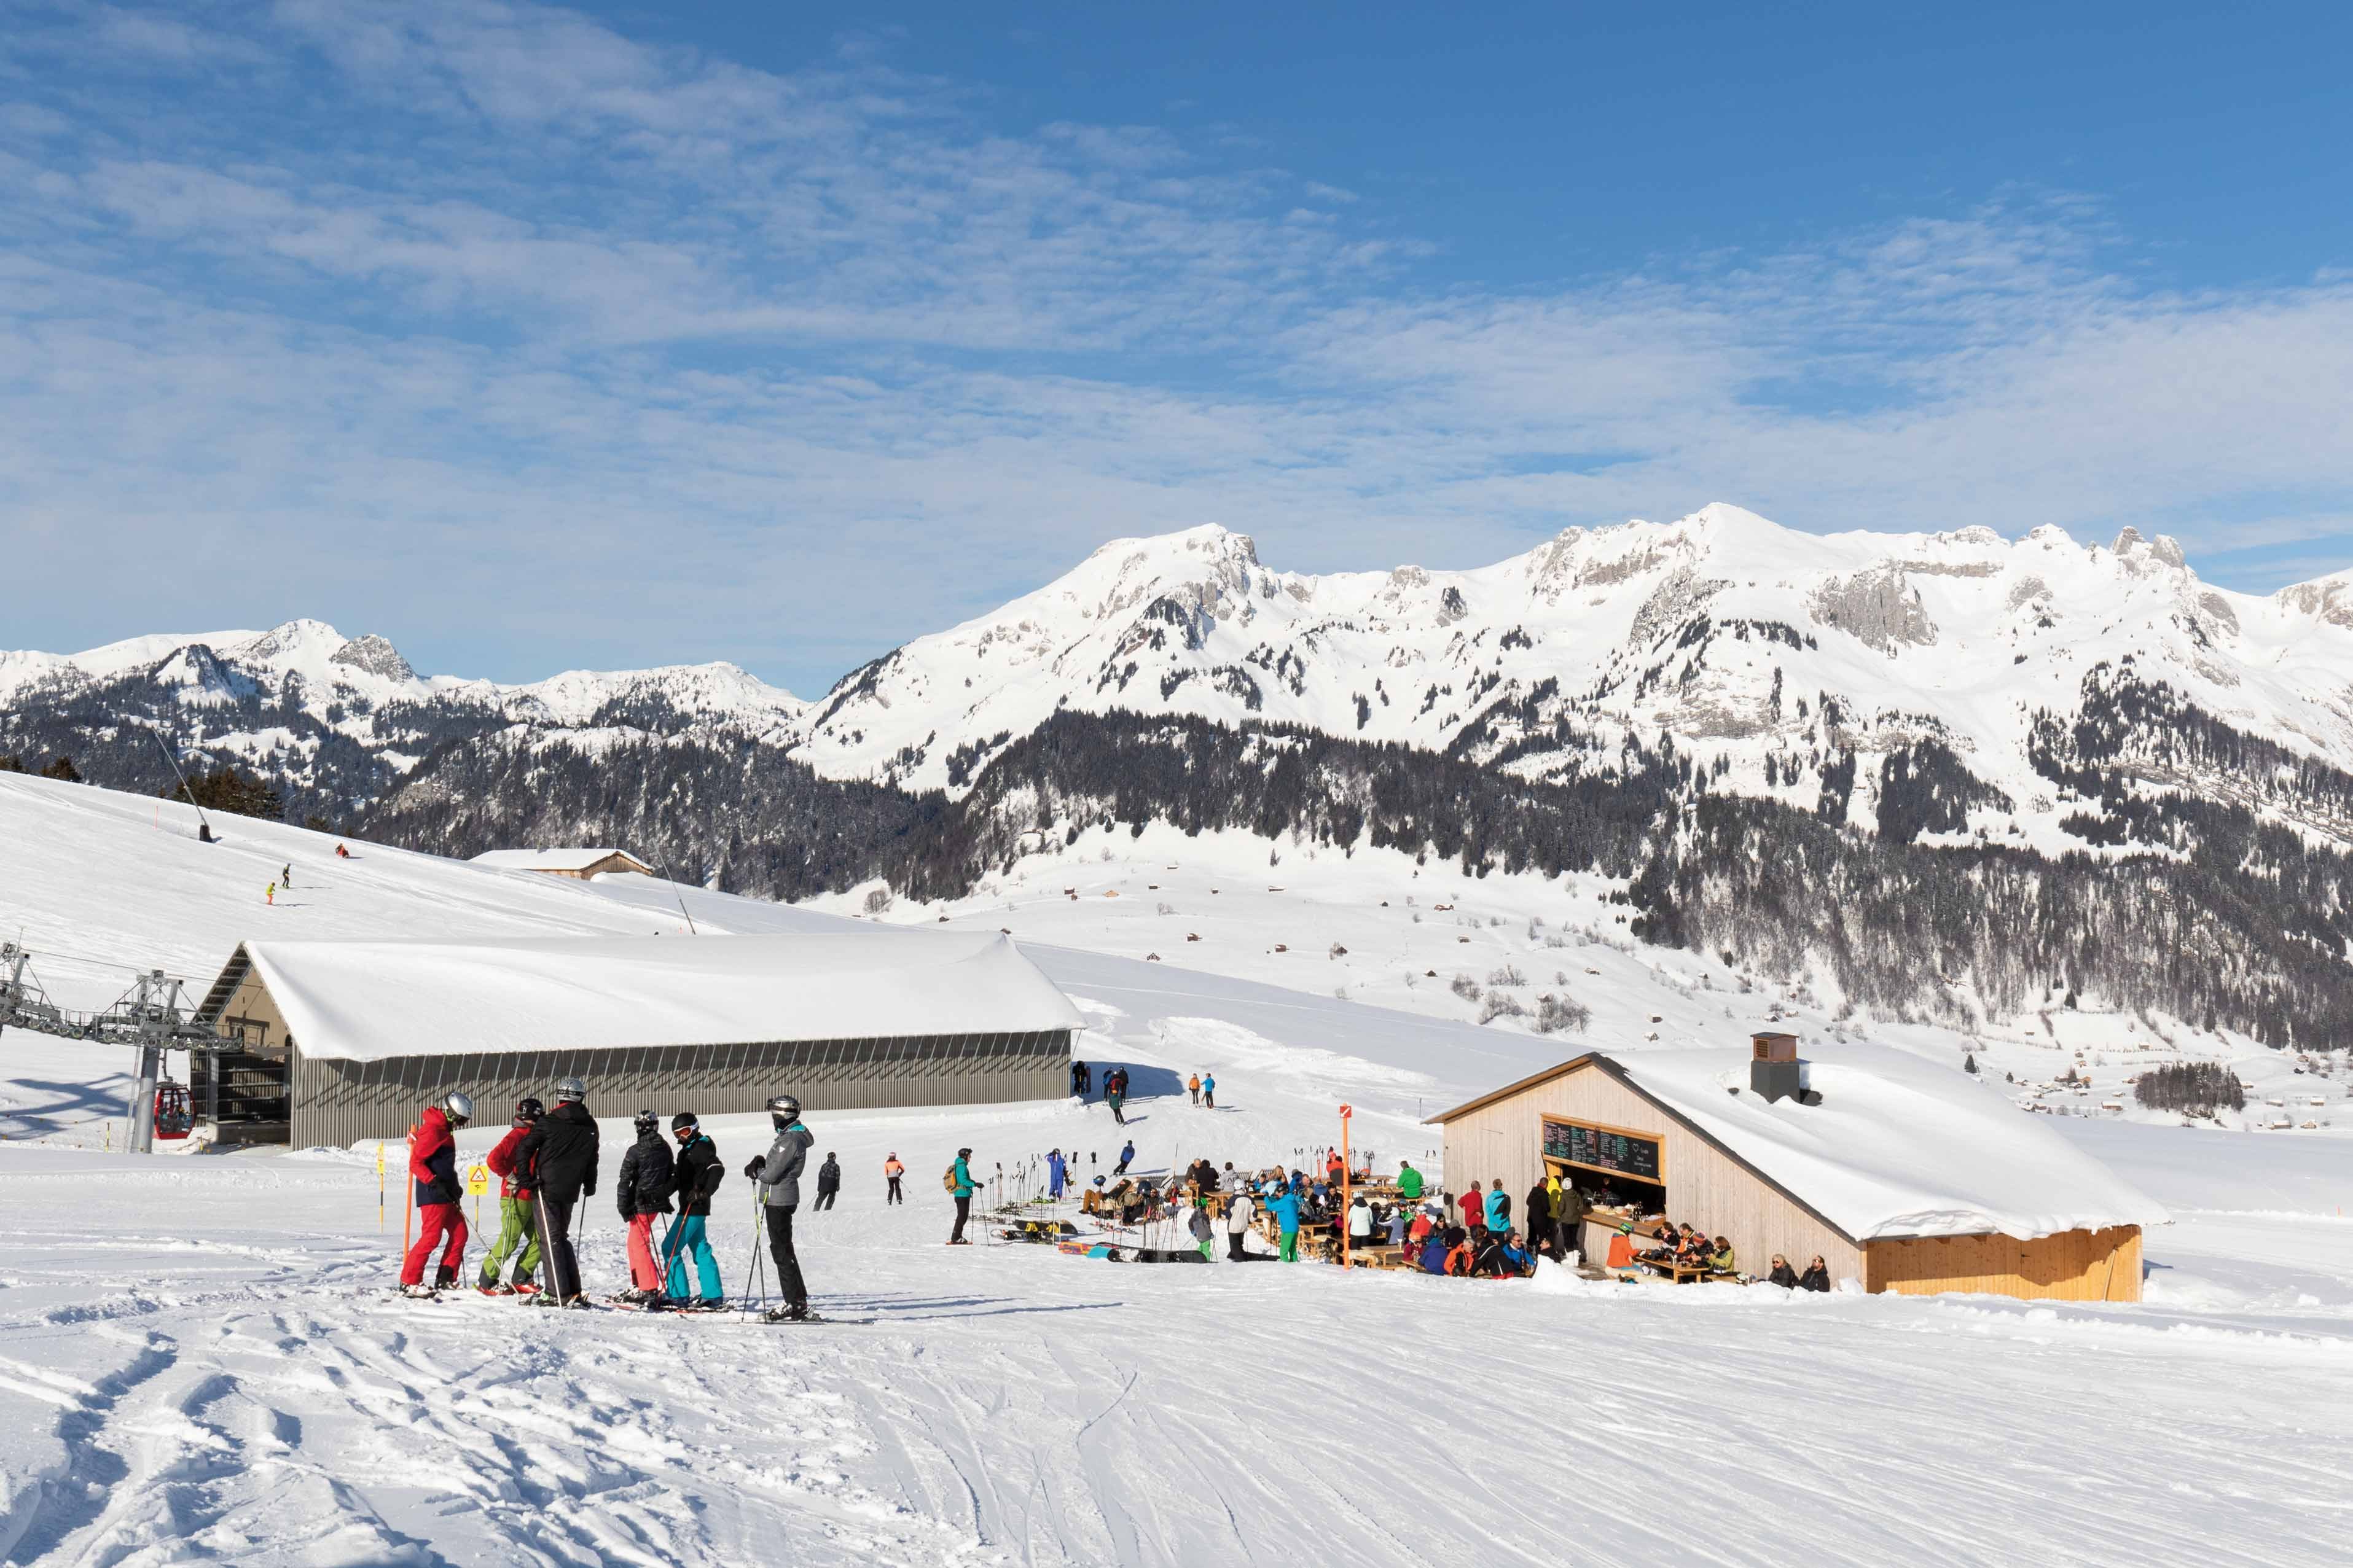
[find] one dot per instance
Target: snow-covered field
(199, 1361)
(1375, 926)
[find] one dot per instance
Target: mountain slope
(1772, 656)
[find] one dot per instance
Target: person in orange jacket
(892, 1172)
(433, 1166)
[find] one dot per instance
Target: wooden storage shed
(346, 1040)
(1903, 1175)
(581, 863)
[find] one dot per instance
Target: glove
(445, 1192)
(751, 1170)
(623, 1205)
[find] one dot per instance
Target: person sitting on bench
(1817, 1275)
(1783, 1275)
(1433, 1254)
(1517, 1262)
(1720, 1258)
(1670, 1240)
(1458, 1250)
(1621, 1248)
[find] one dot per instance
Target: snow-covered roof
(367, 1000)
(1898, 1147)
(550, 859)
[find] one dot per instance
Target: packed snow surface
(364, 1000)
(1898, 1147)
(199, 1360)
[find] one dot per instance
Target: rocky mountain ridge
(1783, 666)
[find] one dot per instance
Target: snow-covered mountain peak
(699, 694)
(375, 655)
(2328, 600)
(1769, 651)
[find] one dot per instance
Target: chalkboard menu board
(1627, 1153)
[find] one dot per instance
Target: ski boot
(418, 1292)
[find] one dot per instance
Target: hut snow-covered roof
(571, 861)
(1898, 1146)
(372, 1001)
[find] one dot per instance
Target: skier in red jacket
(433, 1166)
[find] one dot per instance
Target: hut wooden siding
(2073, 1265)
(1504, 1137)
(617, 861)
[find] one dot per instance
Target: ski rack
(152, 1017)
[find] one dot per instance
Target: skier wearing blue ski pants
(699, 1172)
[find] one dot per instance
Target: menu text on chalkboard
(1603, 1150)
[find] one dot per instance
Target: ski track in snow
(245, 1390)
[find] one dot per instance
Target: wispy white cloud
(532, 344)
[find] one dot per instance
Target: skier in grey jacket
(779, 1175)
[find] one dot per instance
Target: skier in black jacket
(829, 1182)
(648, 1179)
(561, 1155)
(698, 1175)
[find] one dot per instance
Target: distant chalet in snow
(1904, 1175)
(347, 1040)
(581, 863)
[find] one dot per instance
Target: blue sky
(536, 338)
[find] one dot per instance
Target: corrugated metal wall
(338, 1102)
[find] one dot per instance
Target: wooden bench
(1676, 1272)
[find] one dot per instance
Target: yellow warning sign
(477, 1179)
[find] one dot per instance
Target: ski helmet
(784, 1109)
(458, 1105)
(646, 1122)
(527, 1110)
(684, 1121)
(571, 1091)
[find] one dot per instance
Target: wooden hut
(1903, 1175)
(580, 863)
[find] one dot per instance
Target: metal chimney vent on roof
(1774, 1070)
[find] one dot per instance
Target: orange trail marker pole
(379, 1189)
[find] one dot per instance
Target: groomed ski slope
(198, 1361)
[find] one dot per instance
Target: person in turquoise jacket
(1284, 1207)
(1499, 1210)
(960, 1185)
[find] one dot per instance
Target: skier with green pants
(517, 1217)
(1284, 1207)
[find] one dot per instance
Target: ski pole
(673, 1245)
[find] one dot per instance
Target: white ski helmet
(458, 1105)
(571, 1091)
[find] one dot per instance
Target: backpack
(947, 1177)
